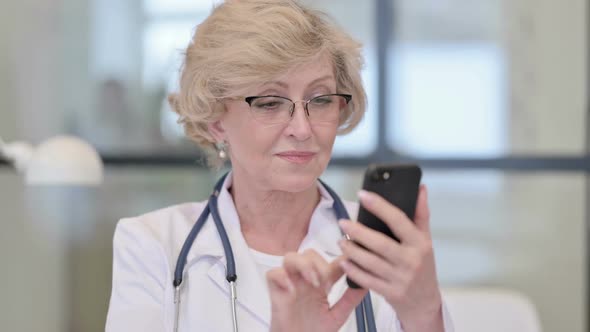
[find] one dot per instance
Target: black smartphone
(397, 183)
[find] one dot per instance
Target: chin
(295, 182)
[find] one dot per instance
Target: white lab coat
(145, 252)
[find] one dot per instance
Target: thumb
(342, 309)
(280, 285)
(422, 215)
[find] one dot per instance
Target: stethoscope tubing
(363, 312)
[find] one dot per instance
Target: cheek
(326, 135)
(250, 142)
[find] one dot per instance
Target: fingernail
(365, 197)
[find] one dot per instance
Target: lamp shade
(64, 160)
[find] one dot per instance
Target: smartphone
(397, 183)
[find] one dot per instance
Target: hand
(298, 293)
(403, 273)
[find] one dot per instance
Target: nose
(299, 126)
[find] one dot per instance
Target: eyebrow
(285, 85)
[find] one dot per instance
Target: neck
(273, 222)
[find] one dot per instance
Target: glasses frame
(346, 97)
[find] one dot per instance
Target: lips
(297, 157)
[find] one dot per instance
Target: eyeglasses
(272, 110)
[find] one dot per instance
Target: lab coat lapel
(207, 243)
(252, 292)
(324, 230)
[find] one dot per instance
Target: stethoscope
(365, 319)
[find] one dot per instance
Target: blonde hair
(248, 42)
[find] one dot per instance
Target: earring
(221, 150)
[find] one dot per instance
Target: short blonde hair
(248, 42)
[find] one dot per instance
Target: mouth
(297, 157)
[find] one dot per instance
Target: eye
(322, 100)
(272, 104)
(268, 103)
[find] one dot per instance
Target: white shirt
(265, 262)
(145, 250)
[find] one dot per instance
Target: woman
(268, 85)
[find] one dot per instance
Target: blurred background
(490, 97)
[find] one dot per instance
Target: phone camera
(385, 175)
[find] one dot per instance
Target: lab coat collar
(252, 291)
(323, 228)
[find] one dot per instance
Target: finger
(397, 221)
(329, 273)
(377, 242)
(363, 278)
(335, 271)
(297, 264)
(422, 216)
(342, 309)
(367, 260)
(278, 281)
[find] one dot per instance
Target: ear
(217, 131)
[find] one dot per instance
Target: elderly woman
(268, 84)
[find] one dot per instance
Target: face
(286, 157)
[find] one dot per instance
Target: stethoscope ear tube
(190, 239)
(230, 273)
(181, 262)
(186, 247)
(369, 314)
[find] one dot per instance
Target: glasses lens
(326, 108)
(271, 110)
